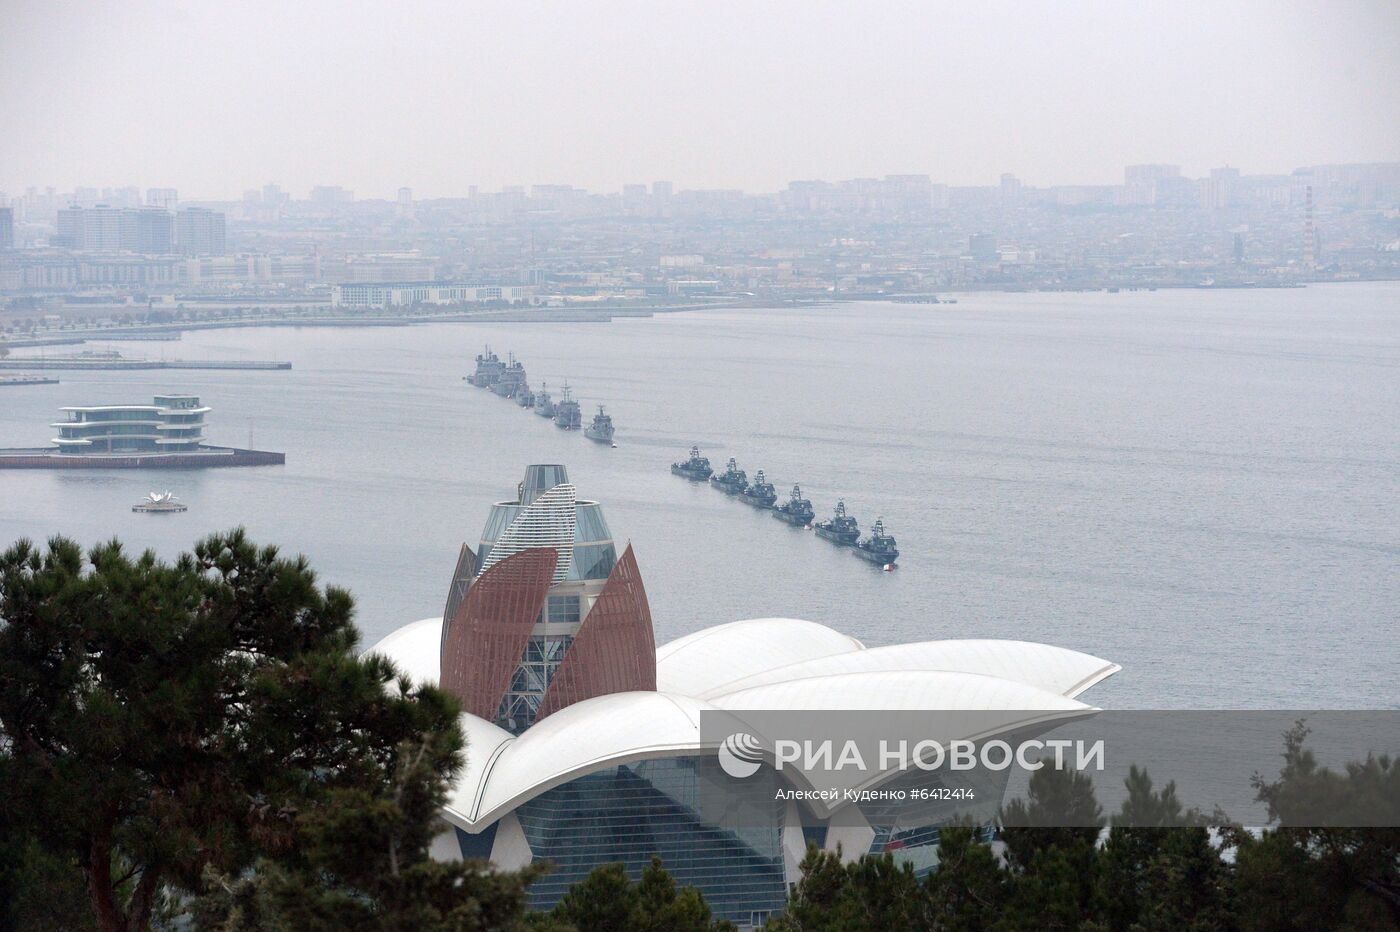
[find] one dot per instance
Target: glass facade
(593, 561)
(521, 704)
(174, 424)
(594, 553)
(628, 813)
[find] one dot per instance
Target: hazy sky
(214, 98)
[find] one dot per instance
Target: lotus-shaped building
(584, 740)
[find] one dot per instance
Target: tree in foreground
(167, 725)
(1301, 876)
(608, 901)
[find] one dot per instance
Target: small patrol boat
(840, 528)
(760, 492)
(732, 481)
(697, 468)
(796, 510)
(879, 548)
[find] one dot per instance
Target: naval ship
(697, 468)
(841, 528)
(488, 369)
(524, 397)
(511, 380)
(796, 510)
(760, 494)
(732, 481)
(544, 405)
(567, 415)
(879, 547)
(601, 429)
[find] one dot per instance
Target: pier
(204, 458)
(27, 380)
(117, 362)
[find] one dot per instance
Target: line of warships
(841, 529)
(507, 379)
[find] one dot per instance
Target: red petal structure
(462, 578)
(491, 627)
(615, 650)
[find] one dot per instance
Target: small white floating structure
(160, 503)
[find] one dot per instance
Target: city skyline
(713, 97)
(132, 194)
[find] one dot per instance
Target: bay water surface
(1203, 486)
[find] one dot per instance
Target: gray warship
(567, 415)
(796, 510)
(840, 528)
(511, 380)
(760, 492)
(488, 369)
(601, 429)
(879, 548)
(697, 468)
(544, 405)
(732, 481)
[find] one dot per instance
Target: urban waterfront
(1199, 485)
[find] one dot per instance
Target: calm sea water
(1202, 486)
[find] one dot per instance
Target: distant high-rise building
(1149, 174)
(983, 247)
(164, 198)
(153, 231)
(1010, 187)
(405, 197)
(662, 190)
(1218, 191)
(1146, 185)
(274, 196)
(68, 228)
(200, 232)
(92, 229)
(1239, 249)
(327, 194)
(110, 229)
(7, 228)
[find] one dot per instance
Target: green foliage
(1301, 877)
(197, 741)
(969, 890)
(1157, 868)
(168, 721)
(608, 901)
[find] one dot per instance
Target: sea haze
(1199, 485)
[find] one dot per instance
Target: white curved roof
(898, 690)
(760, 664)
(416, 649)
(1044, 666)
(705, 662)
(603, 732)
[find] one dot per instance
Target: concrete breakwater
(205, 458)
(99, 362)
